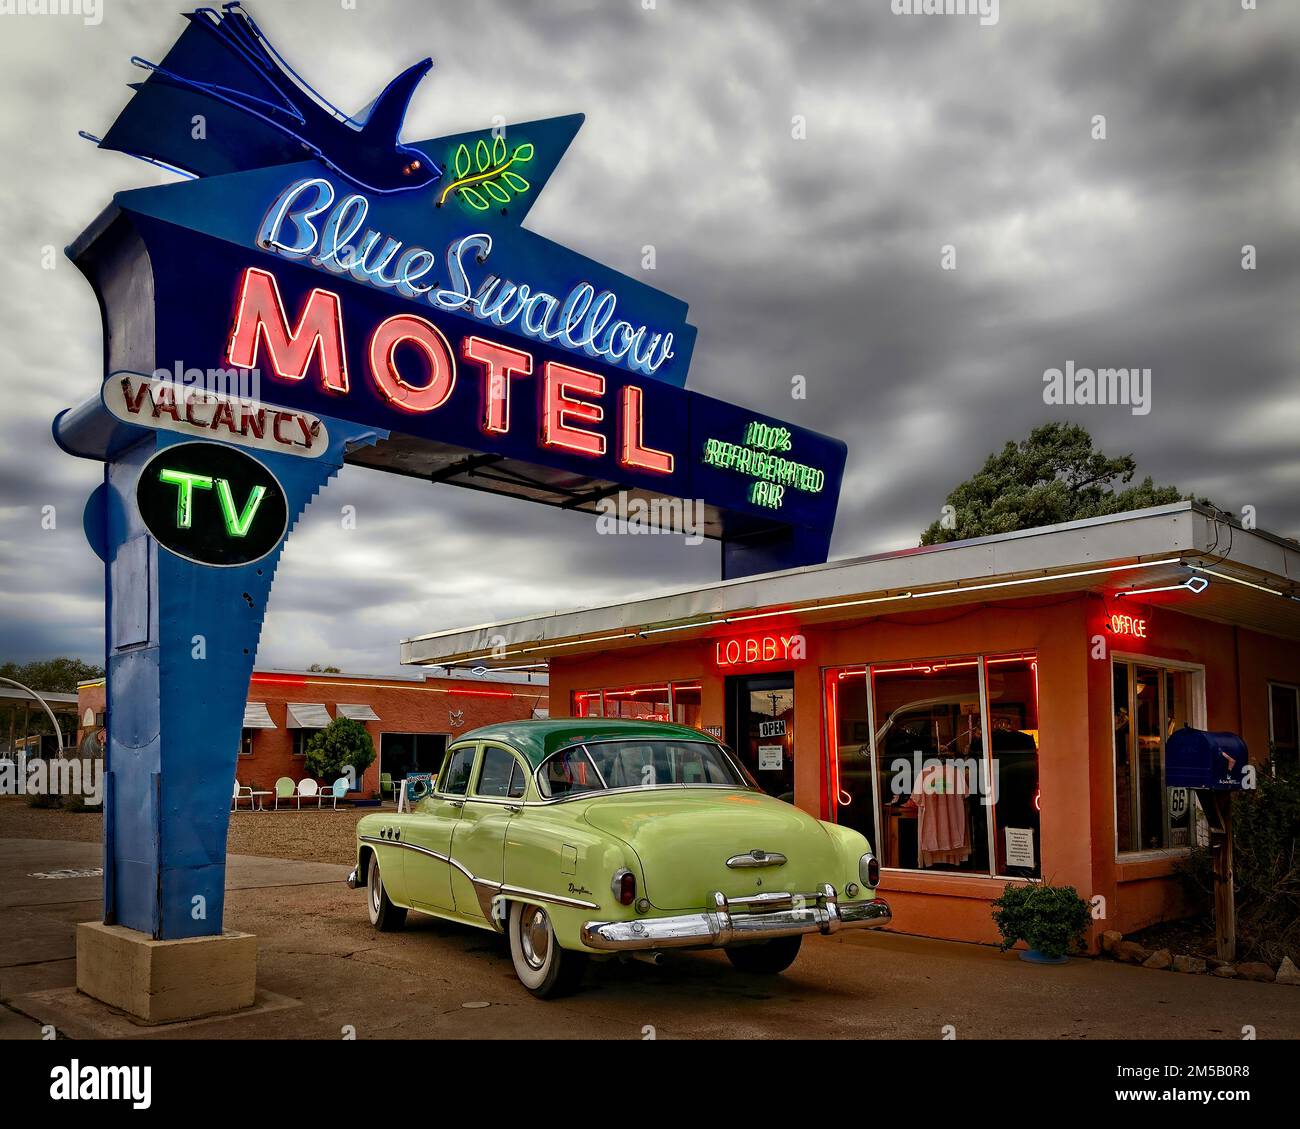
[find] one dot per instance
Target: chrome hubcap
(535, 936)
(374, 886)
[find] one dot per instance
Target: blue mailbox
(1195, 758)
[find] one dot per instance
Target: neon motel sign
(583, 320)
(263, 335)
(483, 355)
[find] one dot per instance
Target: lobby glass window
(679, 702)
(849, 730)
(1150, 702)
(301, 737)
(912, 771)
(686, 703)
(929, 755)
(639, 703)
(587, 703)
(246, 742)
(1284, 727)
(1011, 684)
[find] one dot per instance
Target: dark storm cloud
(817, 257)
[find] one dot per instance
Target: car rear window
(639, 764)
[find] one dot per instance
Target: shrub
(1265, 866)
(1051, 919)
(342, 745)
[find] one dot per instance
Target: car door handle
(458, 803)
(513, 809)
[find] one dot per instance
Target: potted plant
(1051, 920)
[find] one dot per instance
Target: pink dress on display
(942, 830)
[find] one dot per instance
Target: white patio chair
(308, 789)
(241, 792)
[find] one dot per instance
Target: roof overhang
(1254, 581)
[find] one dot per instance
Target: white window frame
(1198, 720)
(1295, 691)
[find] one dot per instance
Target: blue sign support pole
(181, 641)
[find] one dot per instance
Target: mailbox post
(1214, 766)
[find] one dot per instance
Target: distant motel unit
(410, 718)
(863, 690)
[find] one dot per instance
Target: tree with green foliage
(24, 717)
(55, 676)
(1056, 475)
(342, 745)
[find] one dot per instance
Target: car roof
(538, 739)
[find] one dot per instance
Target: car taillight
(869, 871)
(624, 886)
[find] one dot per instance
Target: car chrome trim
(557, 899)
(354, 882)
(485, 889)
(595, 792)
(404, 846)
(758, 919)
(756, 857)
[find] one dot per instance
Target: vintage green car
(587, 837)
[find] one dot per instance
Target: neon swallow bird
(256, 111)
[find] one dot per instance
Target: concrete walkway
(321, 969)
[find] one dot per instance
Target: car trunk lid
(684, 837)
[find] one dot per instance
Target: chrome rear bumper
(760, 918)
(353, 880)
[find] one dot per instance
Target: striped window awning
(256, 717)
(357, 712)
(307, 715)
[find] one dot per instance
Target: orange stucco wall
(1076, 758)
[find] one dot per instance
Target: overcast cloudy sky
(819, 257)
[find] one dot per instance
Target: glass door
(760, 727)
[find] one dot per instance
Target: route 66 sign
(1179, 799)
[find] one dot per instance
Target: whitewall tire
(542, 966)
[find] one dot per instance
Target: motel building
(983, 711)
(410, 718)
